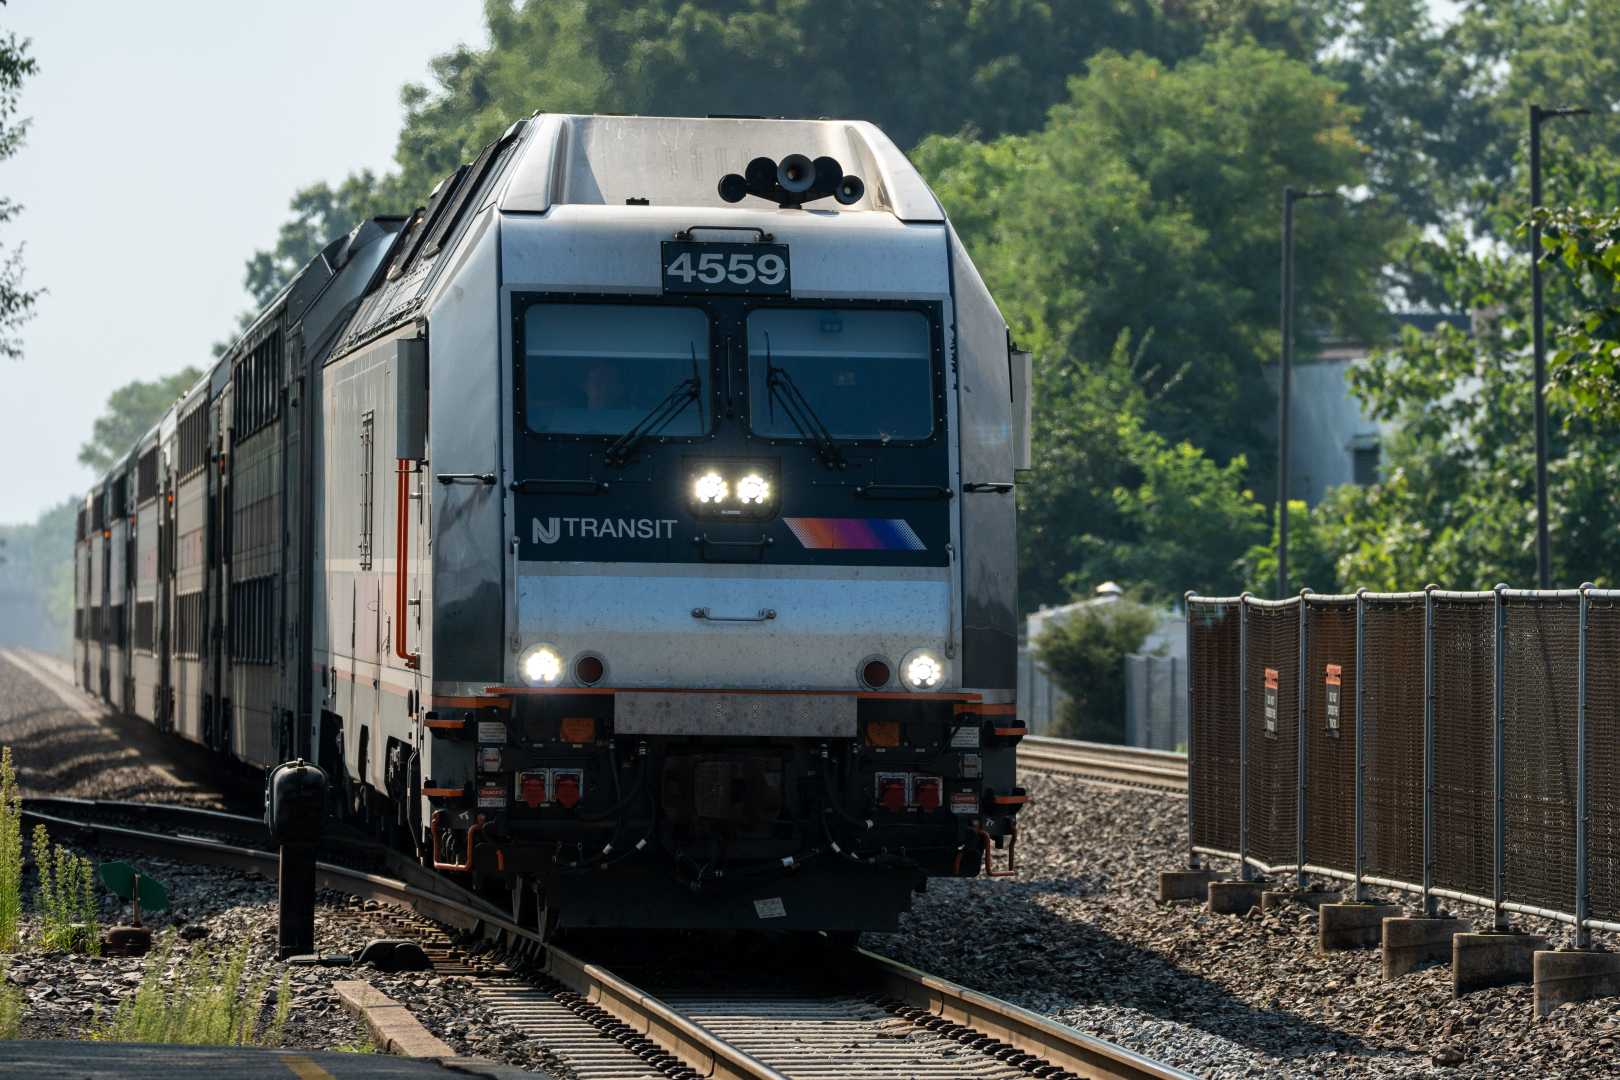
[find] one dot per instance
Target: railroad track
(1131, 766)
(852, 1014)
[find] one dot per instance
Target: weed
(207, 1002)
(66, 898)
(363, 1046)
(11, 1003)
(10, 853)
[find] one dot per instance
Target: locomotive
(629, 530)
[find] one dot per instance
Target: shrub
(66, 898)
(206, 1004)
(1084, 653)
(10, 853)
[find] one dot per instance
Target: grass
(66, 898)
(363, 1046)
(207, 1002)
(10, 853)
(11, 1006)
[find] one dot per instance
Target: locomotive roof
(678, 161)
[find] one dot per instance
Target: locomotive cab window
(865, 375)
(601, 369)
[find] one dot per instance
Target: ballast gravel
(1078, 936)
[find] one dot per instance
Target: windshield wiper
(799, 411)
(658, 417)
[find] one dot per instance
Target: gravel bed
(58, 751)
(1079, 937)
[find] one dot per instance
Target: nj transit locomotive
(630, 530)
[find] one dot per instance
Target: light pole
(1290, 197)
(1543, 543)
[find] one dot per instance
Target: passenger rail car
(631, 529)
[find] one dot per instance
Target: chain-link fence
(1456, 745)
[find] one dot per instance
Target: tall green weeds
(11, 1005)
(65, 901)
(11, 853)
(206, 1002)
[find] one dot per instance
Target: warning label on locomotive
(492, 731)
(770, 908)
(492, 795)
(1271, 703)
(1333, 683)
(964, 802)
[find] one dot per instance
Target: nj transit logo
(552, 529)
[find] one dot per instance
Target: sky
(167, 139)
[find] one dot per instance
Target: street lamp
(1543, 544)
(1290, 197)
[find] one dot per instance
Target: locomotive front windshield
(865, 374)
(599, 369)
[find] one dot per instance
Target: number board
(691, 267)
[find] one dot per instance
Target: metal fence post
(1583, 934)
(1192, 773)
(1359, 894)
(1243, 737)
(1499, 769)
(1300, 735)
(1428, 750)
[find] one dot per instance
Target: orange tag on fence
(1334, 671)
(1271, 678)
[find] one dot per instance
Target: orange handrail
(402, 547)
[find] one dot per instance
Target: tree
(1111, 499)
(16, 302)
(1084, 651)
(1586, 367)
(131, 411)
(1150, 203)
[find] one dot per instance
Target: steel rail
(699, 1048)
(1132, 765)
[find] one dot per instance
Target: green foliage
(320, 214)
(11, 1005)
(65, 899)
(206, 1002)
(36, 571)
(16, 302)
(11, 853)
(1313, 550)
(1587, 364)
(363, 1046)
(1084, 652)
(1169, 183)
(131, 411)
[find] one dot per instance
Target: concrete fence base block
(1413, 943)
(1233, 897)
(1272, 899)
(1351, 926)
(1481, 961)
(1567, 975)
(1185, 884)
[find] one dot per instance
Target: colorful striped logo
(855, 534)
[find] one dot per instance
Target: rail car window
(256, 392)
(600, 369)
(144, 638)
(146, 476)
(253, 605)
(865, 375)
(193, 441)
(188, 624)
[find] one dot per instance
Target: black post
(1537, 320)
(1543, 544)
(1287, 380)
(294, 808)
(1290, 197)
(295, 930)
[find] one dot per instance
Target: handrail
(402, 547)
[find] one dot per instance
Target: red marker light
(568, 789)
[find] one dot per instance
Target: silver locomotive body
(632, 528)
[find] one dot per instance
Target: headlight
(921, 670)
(709, 488)
(753, 488)
(541, 665)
